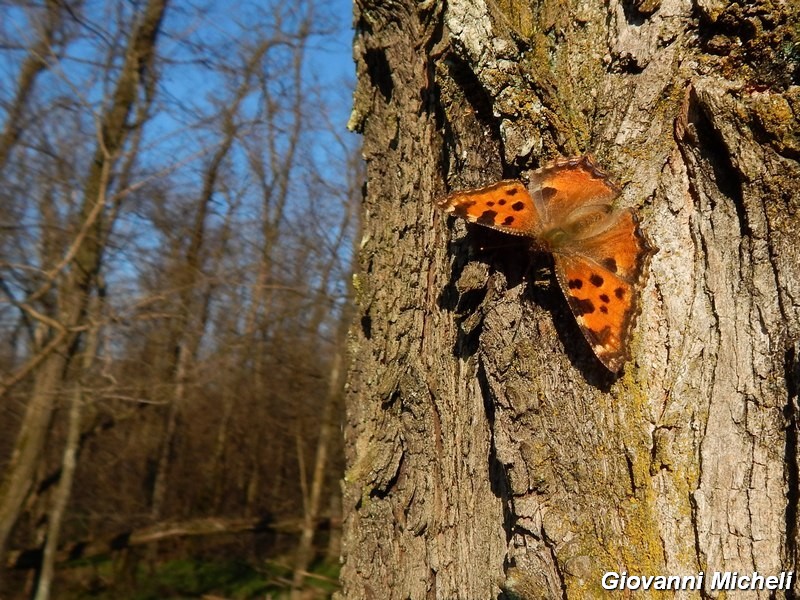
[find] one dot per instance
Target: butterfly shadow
(477, 257)
(576, 348)
(513, 257)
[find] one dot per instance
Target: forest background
(179, 213)
(177, 218)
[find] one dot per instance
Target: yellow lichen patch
(775, 117)
(518, 15)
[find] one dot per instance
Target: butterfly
(600, 253)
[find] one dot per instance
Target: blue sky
(188, 88)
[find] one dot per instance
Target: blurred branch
(208, 526)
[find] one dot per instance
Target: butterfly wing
(506, 206)
(601, 277)
(600, 254)
(564, 186)
(622, 247)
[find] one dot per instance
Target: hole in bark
(366, 326)
(380, 73)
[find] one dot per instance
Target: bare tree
(76, 274)
(313, 489)
(69, 461)
(489, 453)
(180, 168)
(52, 33)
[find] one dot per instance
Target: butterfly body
(600, 254)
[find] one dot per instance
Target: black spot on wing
(604, 298)
(487, 217)
(508, 221)
(619, 293)
(510, 191)
(575, 284)
(604, 310)
(502, 202)
(518, 206)
(596, 280)
(610, 264)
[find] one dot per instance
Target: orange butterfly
(600, 254)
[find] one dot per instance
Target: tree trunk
(69, 460)
(489, 453)
(61, 497)
(305, 550)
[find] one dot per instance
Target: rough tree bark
(490, 454)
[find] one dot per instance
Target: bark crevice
(791, 453)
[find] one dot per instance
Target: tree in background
(489, 453)
(177, 216)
